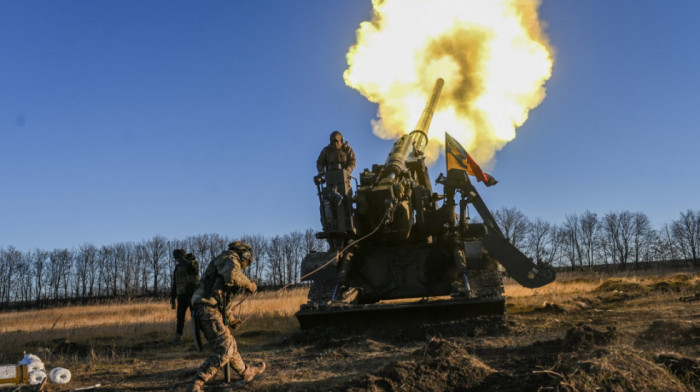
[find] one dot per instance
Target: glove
(318, 180)
(252, 287)
(172, 304)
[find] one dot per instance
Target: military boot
(196, 386)
(177, 339)
(251, 371)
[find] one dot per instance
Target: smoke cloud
(493, 55)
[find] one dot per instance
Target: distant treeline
(616, 238)
(136, 269)
(129, 269)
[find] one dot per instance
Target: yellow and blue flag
(458, 158)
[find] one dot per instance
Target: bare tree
(313, 244)
(39, 261)
(686, 229)
(58, 262)
(536, 239)
(605, 250)
(555, 242)
(129, 257)
(156, 250)
(142, 268)
(296, 252)
(572, 240)
(666, 247)
(67, 276)
(259, 244)
(588, 229)
(513, 223)
(200, 247)
(619, 231)
(84, 267)
(9, 259)
(643, 236)
(23, 288)
(107, 279)
(275, 262)
(110, 269)
(118, 262)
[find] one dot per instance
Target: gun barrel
(427, 116)
(415, 142)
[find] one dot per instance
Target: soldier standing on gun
(334, 164)
(185, 280)
(211, 303)
(337, 152)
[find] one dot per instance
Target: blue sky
(123, 120)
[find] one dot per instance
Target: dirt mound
(616, 290)
(671, 287)
(675, 333)
(621, 370)
(582, 336)
(681, 277)
(620, 287)
(438, 366)
(678, 283)
(686, 369)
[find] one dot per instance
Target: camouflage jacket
(222, 279)
(185, 276)
(329, 156)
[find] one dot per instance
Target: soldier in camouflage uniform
(185, 280)
(338, 152)
(211, 302)
(334, 165)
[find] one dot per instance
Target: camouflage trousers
(223, 344)
(183, 303)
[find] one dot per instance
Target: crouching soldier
(185, 279)
(211, 305)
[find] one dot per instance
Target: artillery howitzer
(398, 243)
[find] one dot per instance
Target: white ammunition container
(13, 375)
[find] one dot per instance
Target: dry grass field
(584, 332)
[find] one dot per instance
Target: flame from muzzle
(493, 55)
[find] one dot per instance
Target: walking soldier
(212, 312)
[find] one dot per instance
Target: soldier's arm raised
(232, 272)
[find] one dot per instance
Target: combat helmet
(178, 253)
(245, 252)
(337, 133)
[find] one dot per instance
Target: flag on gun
(458, 158)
